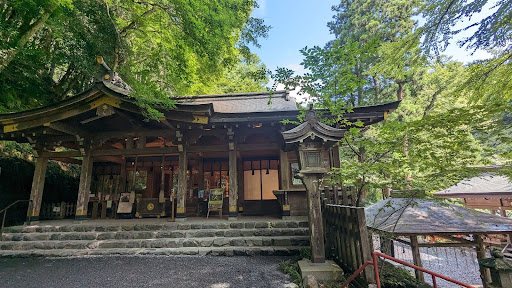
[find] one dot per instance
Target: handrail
(375, 263)
(505, 249)
(9, 206)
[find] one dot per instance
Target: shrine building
(227, 145)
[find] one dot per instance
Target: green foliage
(396, 277)
(161, 48)
(305, 253)
(489, 79)
(450, 118)
(291, 268)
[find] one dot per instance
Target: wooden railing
(58, 210)
(4, 212)
(347, 240)
(339, 195)
(374, 262)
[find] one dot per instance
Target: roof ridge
(226, 95)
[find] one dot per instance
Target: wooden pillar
(284, 167)
(122, 179)
(316, 227)
(416, 258)
(485, 274)
(161, 195)
(241, 196)
(182, 185)
(503, 212)
(36, 193)
(284, 183)
(233, 183)
(85, 186)
(335, 156)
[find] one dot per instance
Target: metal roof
(405, 216)
(484, 185)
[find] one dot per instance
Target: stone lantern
(500, 268)
(311, 139)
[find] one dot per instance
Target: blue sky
(299, 23)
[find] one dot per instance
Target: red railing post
(434, 283)
(376, 269)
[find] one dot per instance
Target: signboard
(216, 198)
(124, 204)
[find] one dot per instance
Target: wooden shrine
(156, 168)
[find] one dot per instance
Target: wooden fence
(339, 195)
(346, 235)
(57, 210)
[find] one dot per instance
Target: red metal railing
(374, 262)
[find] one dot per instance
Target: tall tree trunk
(408, 178)
(376, 87)
(432, 102)
(386, 191)
(25, 36)
(361, 159)
(400, 91)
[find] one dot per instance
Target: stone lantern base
(321, 271)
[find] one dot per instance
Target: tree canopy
(161, 48)
(452, 117)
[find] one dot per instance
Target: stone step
(274, 241)
(46, 236)
(214, 251)
(117, 227)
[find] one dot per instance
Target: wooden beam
(251, 147)
(61, 154)
(166, 133)
(416, 258)
(215, 148)
(431, 245)
(485, 274)
(142, 151)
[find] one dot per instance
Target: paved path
(143, 271)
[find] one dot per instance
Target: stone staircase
(220, 238)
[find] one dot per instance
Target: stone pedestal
(321, 271)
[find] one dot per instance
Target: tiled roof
(485, 184)
(244, 102)
(427, 217)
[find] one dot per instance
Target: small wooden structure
(485, 191)
(396, 218)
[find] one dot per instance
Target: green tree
(161, 48)
(489, 79)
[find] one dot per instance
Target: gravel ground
(458, 263)
(144, 271)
